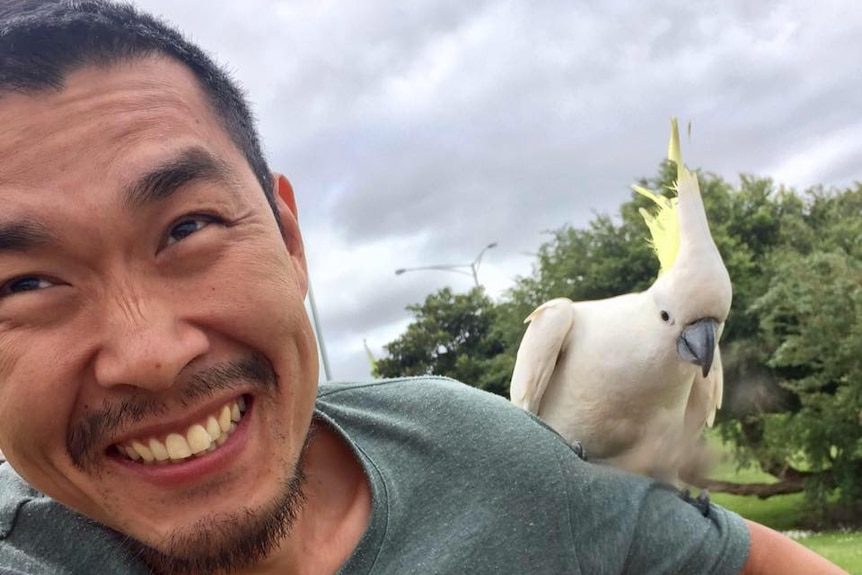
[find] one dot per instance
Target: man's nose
(145, 344)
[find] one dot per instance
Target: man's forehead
(107, 122)
(142, 84)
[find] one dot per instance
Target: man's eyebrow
(23, 235)
(190, 165)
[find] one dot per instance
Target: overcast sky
(415, 133)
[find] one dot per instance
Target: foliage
(452, 335)
(811, 316)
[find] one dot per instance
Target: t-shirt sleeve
(628, 524)
(672, 536)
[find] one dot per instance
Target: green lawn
(844, 549)
(784, 513)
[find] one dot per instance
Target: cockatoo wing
(696, 459)
(716, 376)
(705, 397)
(549, 328)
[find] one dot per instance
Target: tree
(812, 322)
(452, 335)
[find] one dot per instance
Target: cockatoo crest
(664, 222)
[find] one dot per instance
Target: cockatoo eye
(665, 316)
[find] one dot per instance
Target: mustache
(86, 436)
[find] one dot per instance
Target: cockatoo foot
(579, 450)
(701, 501)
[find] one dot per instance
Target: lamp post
(324, 357)
(473, 266)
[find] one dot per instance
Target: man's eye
(23, 285)
(188, 226)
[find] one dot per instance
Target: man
(158, 400)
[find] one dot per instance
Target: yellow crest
(663, 223)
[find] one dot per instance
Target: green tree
(453, 335)
(812, 323)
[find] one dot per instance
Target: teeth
(213, 428)
(224, 418)
(160, 452)
(143, 451)
(178, 447)
(199, 438)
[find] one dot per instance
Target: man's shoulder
(428, 399)
(408, 391)
(470, 432)
(415, 386)
(38, 535)
(21, 530)
(14, 493)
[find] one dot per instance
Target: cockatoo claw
(701, 501)
(579, 450)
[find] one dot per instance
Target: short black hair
(42, 41)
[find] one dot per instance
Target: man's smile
(199, 438)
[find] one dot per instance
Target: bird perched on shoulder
(635, 378)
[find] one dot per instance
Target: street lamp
(457, 268)
(321, 343)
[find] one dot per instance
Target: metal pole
(475, 265)
(457, 268)
(320, 342)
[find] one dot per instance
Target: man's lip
(179, 425)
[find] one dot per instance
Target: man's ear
(285, 203)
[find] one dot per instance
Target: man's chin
(228, 541)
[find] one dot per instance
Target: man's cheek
(9, 354)
(33, 410)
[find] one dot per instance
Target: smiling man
(159, 406)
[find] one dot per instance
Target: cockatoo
(635, 378)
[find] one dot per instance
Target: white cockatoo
(635, 378)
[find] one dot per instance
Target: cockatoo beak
(696, 343)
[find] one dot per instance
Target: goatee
(227, 542)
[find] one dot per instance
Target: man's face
(145, 289)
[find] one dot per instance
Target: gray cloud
(417, 133)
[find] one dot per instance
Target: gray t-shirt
(462, 482)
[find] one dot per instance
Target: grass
(781, 512)
(785, 513)
(843, 549)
